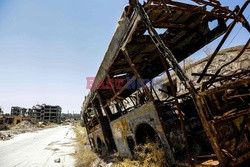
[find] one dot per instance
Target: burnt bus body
(205, 121)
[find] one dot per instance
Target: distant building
(47, 113)
(1, 111)
(18, 111)
(31, 113)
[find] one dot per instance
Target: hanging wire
(236, 34)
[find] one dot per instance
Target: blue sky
(49, 47)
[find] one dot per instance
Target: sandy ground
(52, 147)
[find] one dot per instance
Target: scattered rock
(58, 160)
(23, 127)
(5, 136)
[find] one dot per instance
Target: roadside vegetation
(144, 156)
(84, 155)
(147, 155)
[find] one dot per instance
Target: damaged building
(2, 119)
(204, 117)
(19, 111)
(42, 113)
(47, 113)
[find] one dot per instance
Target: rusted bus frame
(149, 95)
(215, 119)
(131, 24)
(231, 116)
(203, 92)
(86, 122)
(153, 89)
(120, 91)
(229, 14)
(230, 28)
(116, 94)
(127, 38)
(215, 4)
(161, 46)
(216, 77)
(138, 76)
(91, 122)
(108, 113)
(188, 7)
(226, 64)
(183, 77)
(100, 122)
(153, 35)
(166, 67)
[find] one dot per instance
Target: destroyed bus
(209, 121)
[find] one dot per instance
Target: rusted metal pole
(87, 128)
(138, 76)
(155, 92)
(118, 100)
(102, 125)
(132, 101)
(185, 7)
(108, 113)
(166, 67)
(230, 28)
(120, 91)
(112, 87)
(238, 56)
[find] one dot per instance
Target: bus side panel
(126, 126)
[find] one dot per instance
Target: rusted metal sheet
(126, 126)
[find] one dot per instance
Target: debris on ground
(4, 136)
(58, 160)
(23, 127)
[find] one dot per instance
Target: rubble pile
(22, 127)
(5, 136)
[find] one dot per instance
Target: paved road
(40, 148)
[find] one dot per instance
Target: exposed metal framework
(139, 50)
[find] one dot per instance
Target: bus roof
(184, 28)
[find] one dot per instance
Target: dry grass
(52, 124)
(84, 155)
(147, 155)
(81, 134)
